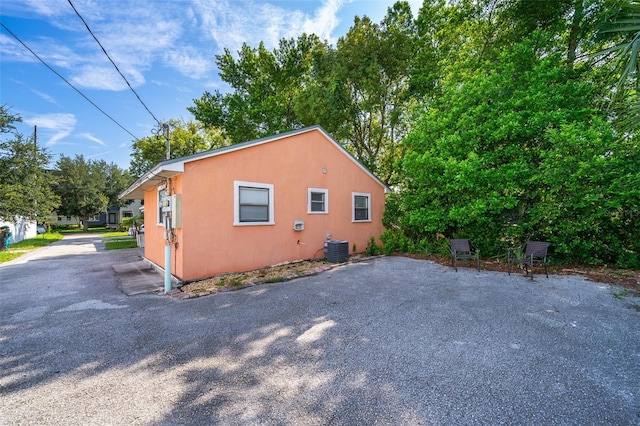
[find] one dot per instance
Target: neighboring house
(258, 203)
(112, 217)
(56, 219)
(115, 214)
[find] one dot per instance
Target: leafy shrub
(373, 249)
(513, 152)
(129, 222)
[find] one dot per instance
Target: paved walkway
(136, 275)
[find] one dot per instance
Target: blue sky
(165, 48)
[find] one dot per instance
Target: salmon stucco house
(258, 203)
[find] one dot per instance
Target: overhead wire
(111, 60)
(65, 80)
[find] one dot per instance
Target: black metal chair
(463, 249)
(535, 252)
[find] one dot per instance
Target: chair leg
(545, 270)
(509, 267)
(532, 272)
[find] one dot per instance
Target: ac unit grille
(337, 251)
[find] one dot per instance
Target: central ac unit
(336, 251)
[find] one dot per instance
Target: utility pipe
(167, 267)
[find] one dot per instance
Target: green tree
(265, 84)
(25, 186)
(116, 180)
(87, 188)
(186, 138)
(589, 206)
(359, 92)
(7, 119)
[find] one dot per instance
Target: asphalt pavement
(390, 341)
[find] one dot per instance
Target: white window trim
(236, 202)
(353, 206)
(326, 200)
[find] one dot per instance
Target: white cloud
(139, 35)
(99, 154)
(324, 21)
(230, 24)
(134, 34)
(54, 127)
(92, 138)
(13, 51)
(49, 8)
(45, 96)
(189, 62)
(96, 77)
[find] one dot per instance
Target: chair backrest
(537, 248)
(460, 245)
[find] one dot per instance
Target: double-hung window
(162, 195)
(253, 203)
(361, 207)
(318, 201)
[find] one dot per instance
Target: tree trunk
(578, 14)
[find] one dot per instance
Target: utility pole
(165, 130)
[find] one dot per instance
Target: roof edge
(172, 167)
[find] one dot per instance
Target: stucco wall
(209, 243)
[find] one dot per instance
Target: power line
(111, 60)
(65, 80)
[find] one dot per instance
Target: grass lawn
(118, 240)
(115, 234)
(81, 231)
(18, 249)
(120, 243)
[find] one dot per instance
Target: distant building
(112, 217)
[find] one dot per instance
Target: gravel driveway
(391, 341)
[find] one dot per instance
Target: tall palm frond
(624, 28)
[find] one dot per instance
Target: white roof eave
(151, 179)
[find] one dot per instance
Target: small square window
(318, 200)
(361, 207)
